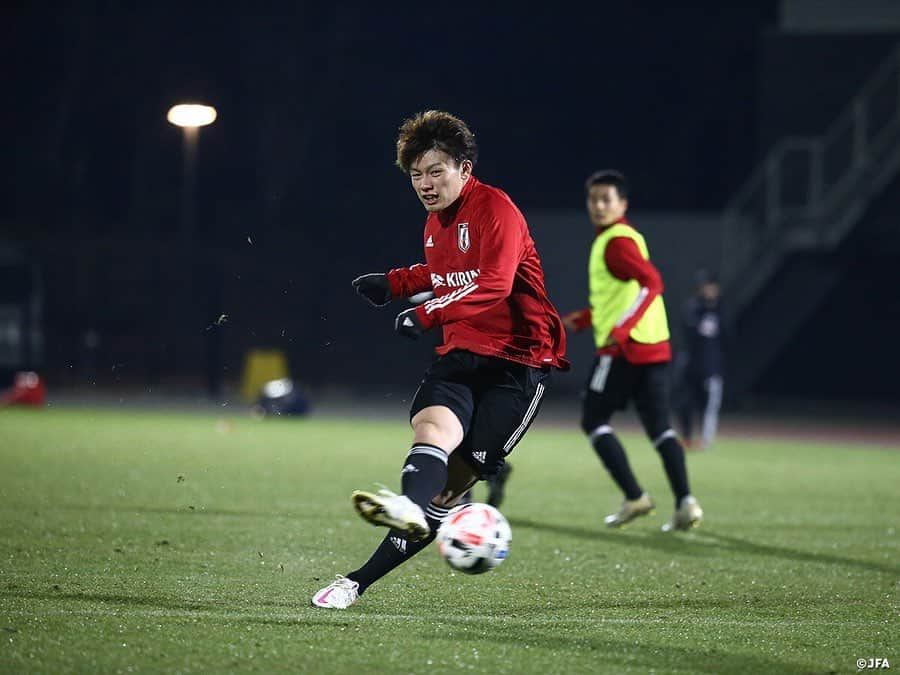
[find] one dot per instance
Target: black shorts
(495, 400)
(613, 382)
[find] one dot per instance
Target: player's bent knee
(436, 434)
(438, 426)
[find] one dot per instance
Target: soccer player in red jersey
(501, 338)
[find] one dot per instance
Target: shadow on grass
(609, 653)
(667, 543)
(112, 599)
(753, 548)
(222, 611)
(228, 612)
(600, 643)
(701, 542)
(176, 510)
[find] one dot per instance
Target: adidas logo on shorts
(399, 543)
(480, 456)
(409, 468)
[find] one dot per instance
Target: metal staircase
(806, 196)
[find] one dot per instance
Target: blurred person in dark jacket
(701, 363)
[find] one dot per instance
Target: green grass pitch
(151, 542)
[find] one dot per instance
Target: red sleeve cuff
(396, 290)
(584, 319)
(427, 320)
(620, 334)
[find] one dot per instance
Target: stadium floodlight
(191, 115)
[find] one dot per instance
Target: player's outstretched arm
(578, 320)
(409, 281)
(375, 288)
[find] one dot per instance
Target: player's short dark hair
(608, 177)
(705, 276)
(435, 130)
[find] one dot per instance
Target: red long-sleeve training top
(484, 270)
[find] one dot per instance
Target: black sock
(614, 459)
(395, 550)
(672, 454)
(424, 473)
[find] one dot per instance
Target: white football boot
(687, 515)
(397, 512)
(630, 509)
(339, 594)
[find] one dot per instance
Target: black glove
(407, 324)
(374, 287)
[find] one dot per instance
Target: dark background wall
(848, 348)
(296, 190)
(297, 193)
(806, 80)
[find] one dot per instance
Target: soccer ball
(474, 538)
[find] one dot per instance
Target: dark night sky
(310, 95)
(297, 192)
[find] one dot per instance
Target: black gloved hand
(374, 287)
(407, 324)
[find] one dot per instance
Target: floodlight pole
(190, 135)
(190, 117)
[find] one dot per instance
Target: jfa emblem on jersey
(462, 237)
